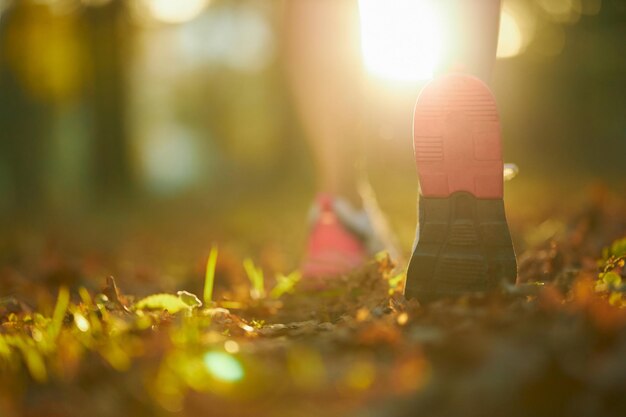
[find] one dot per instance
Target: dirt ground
(74, 342)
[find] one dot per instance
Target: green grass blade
(35, 363)
(255, 275)
(63, 300)
(285, 284)
(209, 276)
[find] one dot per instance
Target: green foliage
(610, 280)
(395, 281)
(60, 308)
(209, 276)
(34, 362)
(5, 350)
(184, 301)
(285, 284)
(190, 299)
(616, 250)
(255, 275)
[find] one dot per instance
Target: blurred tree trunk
(108, 35)
(24, 128)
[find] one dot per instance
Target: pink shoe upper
(332, 249)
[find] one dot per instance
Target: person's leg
(324, 69)
(471, 28)
(324, 73)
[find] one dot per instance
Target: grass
(209, 276)
(255, 275)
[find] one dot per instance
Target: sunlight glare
(510, 40)
(231, 346)
(564, 11)
(81, 322)
(175, 11)
(223, 366)
(401, 40)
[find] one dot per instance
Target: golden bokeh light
(361, 375)
(518, 23)
(81, 322)
(563, 11)
(510, 38)
(223, 366)
(174, 11)
(401, 40)
(231, 346)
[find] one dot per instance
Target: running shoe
(463, 243)
(336, 242)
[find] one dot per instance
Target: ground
(75, 342)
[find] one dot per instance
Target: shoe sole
(463, 240)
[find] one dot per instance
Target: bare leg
(472, 36)
(324, 68)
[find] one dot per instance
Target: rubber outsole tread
(456, 138)
(464, 245)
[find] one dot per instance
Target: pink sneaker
(334, 247)
(463, 242)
